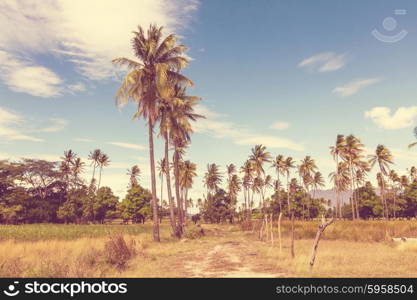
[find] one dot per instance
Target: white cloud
(24, 76)
(324, 62)
(280, 125)
(83, 140)
(88, 34)
(10, 126)
(57, 125)
(270, 141)
(403, 117)
(215, 125)
(355, 86)
(16, 157)
(128, 145)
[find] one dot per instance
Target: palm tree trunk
(153, 184)
(177, 188)
(288, 196)
(168, 180)
(185, 205)
(99, 178)
(162, 190)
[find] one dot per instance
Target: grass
(347, 249)
(40, 232)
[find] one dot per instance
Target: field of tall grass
(347, 249)
(359, 231)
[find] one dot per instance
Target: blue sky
(287, 74)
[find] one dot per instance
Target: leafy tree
(218, 207)
(105, 204)
(136, 205)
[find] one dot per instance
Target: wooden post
(320, 230)
(271, 227)
(279, 232)
(292, 235)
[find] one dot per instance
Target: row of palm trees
(255, 180)
(352, 167)
(158, 89)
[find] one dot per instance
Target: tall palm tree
(77, 169)
(278, 164)
(187, 174)
(384, 159)
(234, 187)
(415, 135)
(413, 173)
(212, 178)
(134, 175)
(161, 165)
(336, 151)
(259, 157)
(288, 165)
(103, 161)
(352, 153)
(160, 60)
(247, 170)
(394, 178)
(306, 170)
(65, 168)
(341, 180)
(94, 157)
(317, 182)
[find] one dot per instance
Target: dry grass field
(347, 249)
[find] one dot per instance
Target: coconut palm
(351, 153)
(317, 182)
(415, 143)
(247, 170)
(103, 161)
(148, 80)
(306, 170)
(187, 174)
(413, 173)
(384, 159)
(77, 169)
(336, 151)
(394, 178)
(278, 165)
(212, 178)
(94, 156)
(341, 180)
(234, 187)
(134, 175)
(288, 165)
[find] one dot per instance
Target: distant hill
(331, 195)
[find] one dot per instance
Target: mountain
(331, 195)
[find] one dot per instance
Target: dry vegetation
(347, 249)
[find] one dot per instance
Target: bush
(118, 252)
(193, 231)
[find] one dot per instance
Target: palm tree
(278, 164)
(160, 61)
(234, 187)
(77, 169)
(352, 152)
(394, 178)
(103, 161)
(341, 180)
(383, 158)
(212, 178)
(317, 182)
(134, 175)
(94, 156)
(288, 165)
(247, 170)
(187, 174)
(65, 168)
(336, 151)
(259, 157)
(413, 173)
(305, 170)
(161, 165)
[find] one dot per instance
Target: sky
(290, 75)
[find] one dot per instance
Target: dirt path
(230, 258)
